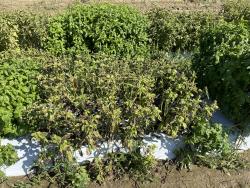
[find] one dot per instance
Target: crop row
(98, 73)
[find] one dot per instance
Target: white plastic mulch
(164, 148)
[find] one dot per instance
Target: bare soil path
(55, 5)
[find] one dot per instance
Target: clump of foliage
(65, 172)
(88, 101)
(93, 100)
(8, 156)
(118, 30)
(8, 34)
(31, 29)
(222, 65)
(236, 10)
(138, 167)
(177, 95)
(56, 165)
(175, 31)
(208, 144)
(22, 30)
(17, 90)
(107, 99)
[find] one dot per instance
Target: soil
(55, 5)
(34, 5)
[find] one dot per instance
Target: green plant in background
(17, 90)
(31, 29)
(8, 34)
(177, 31)
(222, 65)
(22, 30)
(118, 30)
(236, 10)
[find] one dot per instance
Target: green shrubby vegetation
(235, 10)
(17, 90)
(8, 34)
(65, 171)
(105, 98)
(109, 29)
(8, 156)
(178, 31)
(22, 30)
(31, 29)
(208, 144)
(97, 73)
(222, 65)
(136, 166)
